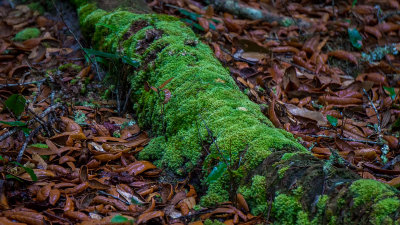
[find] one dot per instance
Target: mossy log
(208, 122)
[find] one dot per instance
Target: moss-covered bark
(277, 176)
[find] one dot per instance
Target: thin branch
(22, 84)
(113, 196)
(77, 40)
(376, 111)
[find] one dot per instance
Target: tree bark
(200, 118)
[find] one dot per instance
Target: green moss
(255, 195)
(202, 95)
(383, 210)
(282, 171)
(382, 196)
(36, 6)
(213, 222)
(286, 209)
(366, 191)
(27, 33)
(70, 66)
(321, 206)
(302, 218)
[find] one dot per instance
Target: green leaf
(355, 38)
(10, 176)
(100, 53)
(14, 123)
(45, 157)
(26, 131)
(119, 219)
(1, 157)
(391, 91)
(354, 3)
(216, 172)
(16, 103)
(135, 200)
(193, 24)
(191, 15)
(129, 61)
(39, 145)
(332, 120)
(28, 170)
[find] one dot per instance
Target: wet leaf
(16, 103)
(355, 38)
(28, 170)
(119, 219)
(332, 120)
(14, 123)
(39, 145)
(391, 91)
(216, 172)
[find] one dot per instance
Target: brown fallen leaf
(143, 218)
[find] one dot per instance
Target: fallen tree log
(209, 122)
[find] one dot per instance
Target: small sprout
(117, 134)
(391, 92)
(332, 120)
(355, 38)
(39, 145)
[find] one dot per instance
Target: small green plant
(355, 38)
(121, 219)
(332, 120)
(16, 104)
(19, 124)
(26, 169)
(391, 92)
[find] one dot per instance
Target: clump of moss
(256, 195)
(70, 66)
(213, 222)
(36, 6)
(27, 33)
(287, 209)
(371, 191)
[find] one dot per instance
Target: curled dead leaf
(143, 218)
(344, 55)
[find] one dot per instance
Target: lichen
(27, 33)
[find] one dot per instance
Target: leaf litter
(333, 85)
(67, 155)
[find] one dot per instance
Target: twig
(390, 14)
(345, 139)
(22, 84)
(126, 100)
(77, 40)
(376, 111)
(113, 196)
(8, 133)
(27, 140)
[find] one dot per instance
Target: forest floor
(68, 142)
